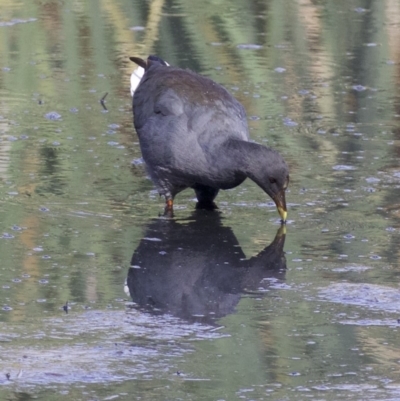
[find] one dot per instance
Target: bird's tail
(143, 65)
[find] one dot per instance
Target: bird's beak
(280, 203)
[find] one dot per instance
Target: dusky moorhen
(193, 133)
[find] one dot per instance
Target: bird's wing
(186, 115)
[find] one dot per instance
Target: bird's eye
(272, 180)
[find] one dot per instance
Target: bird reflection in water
(196, 270)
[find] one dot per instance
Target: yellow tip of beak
(282, 213)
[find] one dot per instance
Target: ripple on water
(104, 355)
(372, 180)
(343, 167)
(137, 162)
(7, 236)
(371, 322)
(289, 122)
(375, 257)
(52, 115)
(137, 28)
(371, 296)
(16, 21)
(249, 46)
(352, 268)
(359, 88)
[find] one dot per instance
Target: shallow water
(206, 305)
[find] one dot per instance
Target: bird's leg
(169, 207)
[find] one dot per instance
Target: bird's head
(271, 173)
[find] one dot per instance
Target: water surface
(204, 306)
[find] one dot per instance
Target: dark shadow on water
(196, 269)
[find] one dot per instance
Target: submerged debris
(102, 101)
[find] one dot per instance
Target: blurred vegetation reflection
(320, 83)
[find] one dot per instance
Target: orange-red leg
(169, 208)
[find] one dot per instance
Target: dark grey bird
(193, 134)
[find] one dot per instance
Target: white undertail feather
(136, 76)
